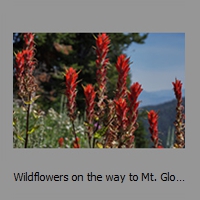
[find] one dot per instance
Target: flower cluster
(122, 127)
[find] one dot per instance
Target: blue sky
(156, 63)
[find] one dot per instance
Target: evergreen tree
(141, 139)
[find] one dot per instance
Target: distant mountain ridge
(157, 97)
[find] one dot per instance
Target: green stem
(74, 132)
(27, 121)
(89, 141)
(94, 140)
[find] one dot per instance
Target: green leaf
(87, 124)
(33, 129)
(100, 132)
(99, 145)
(32, 100)
(19, 137)
(14, 122)
(35, 114)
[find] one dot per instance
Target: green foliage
(45, 128)
(170, 137)
(141, 140)
(98, 134)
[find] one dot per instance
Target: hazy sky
(157, 62)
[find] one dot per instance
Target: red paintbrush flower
(122, 67)
(71, 77)
(135, 91)
(76, 144)
(133, 95)
(25, 59)
(24, 62)
(25, 65)
(177, 90)
(29, 40)
(121, 112)
(61, 142)
(180, 117)
(20, 63)
(102, 48)
(153, 127)
(90, 95)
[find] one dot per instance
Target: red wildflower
(121, 112)
(102, 48)
(61, 142)
(29, 40)
(25, 64)
(122, 67)
(133, 95)
(71, 77)
(135, 91)
(90, 103)
(20, 63)
(177, 90)
(180, 116)
(153, 122)
(102, 44)
(24, 61)
(76, 144)
(89, 98)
